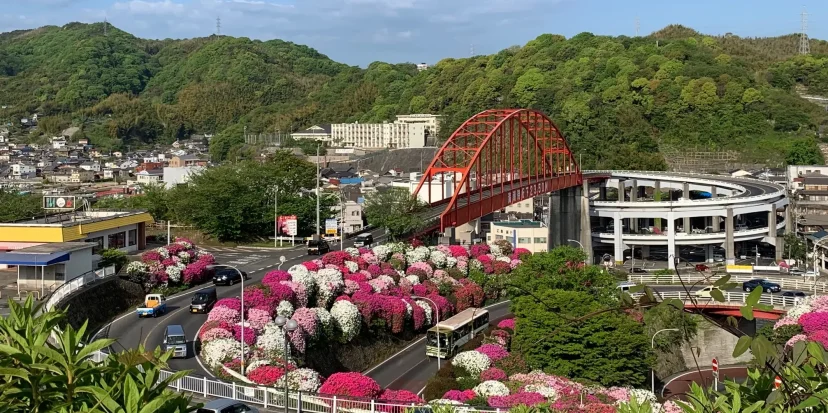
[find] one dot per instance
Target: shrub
(493, 373)
(782, 334)
(493, 351)
(350, 384)
(467, 382)
(512, 364)
(437, 386)
(266, 375)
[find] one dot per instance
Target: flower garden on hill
(177, 265)
(808, 320)
(341, 295)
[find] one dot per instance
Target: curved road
(130, 331)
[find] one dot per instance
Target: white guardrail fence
(775, 300)
(804, 284)
(76, 284)
(274, 397)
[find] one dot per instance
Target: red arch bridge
(496, 158)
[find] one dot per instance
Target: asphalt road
(131, 331)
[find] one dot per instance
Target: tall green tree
(394, 209)
(15, 206)
(804, 152)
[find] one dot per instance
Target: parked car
(227, 406)
(203, 301)
(625, 285)
(702, 268)
(765, 284)
(705, 292)
(797, 272)
(637, 270)
(795, 294)
(318, 247)
(228, 276)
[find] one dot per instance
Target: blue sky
(361, 31)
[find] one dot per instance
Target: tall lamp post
(318, 194)
(287, 327)
(652, 346)
(276, 216)
(241, 315)
(582, 247)
(437, 323)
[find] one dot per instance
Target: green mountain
(617, 98)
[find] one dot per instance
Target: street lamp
(652, 346)
(287, 326)
(276, 216)
(582, 247)
(437, 324)
(241, 313)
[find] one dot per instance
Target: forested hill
(616, 98)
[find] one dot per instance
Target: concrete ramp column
(586, 227)
(789, 221)
(618, 239)
(671, 241)
(621, 191)
(730, 247)
(772, 221)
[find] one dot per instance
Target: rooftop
(523, 223)
(54, 247)
(75, 218)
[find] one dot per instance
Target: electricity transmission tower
(804, 43)
(218, 26)
(106, 23)
(637, 27)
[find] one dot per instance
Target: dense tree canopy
(394, 209)
(14, 206)
(618, 99)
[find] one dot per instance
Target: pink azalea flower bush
(350, 384)
(459, 395)
(807, 320)
(507, 323)
(337, 297)
(517, 399)
(175, 264)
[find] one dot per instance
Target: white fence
(806, 284)
(272, 397)
(77, 283)
(777, 301)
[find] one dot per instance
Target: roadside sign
(331, 226)
(715, 365)
(777, 382)
(288, 225)
(59, 203)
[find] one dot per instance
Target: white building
(179, 175)
(522, 234)
(796, 173)
(378, 135)
(320, 133)
(422, 66)
(23, 171)
(58, 142)
(431, 122)
(153, 176)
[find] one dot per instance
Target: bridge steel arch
(494, 159)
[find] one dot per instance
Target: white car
(705, 292)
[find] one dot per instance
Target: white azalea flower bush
(419, 254)
(285, 309)
(304, 380)
(548, 392)
(353, 251)
(347, 319)
(472, 361)
(382, 252)
(491, 388)
(330, 284)
(220, 350)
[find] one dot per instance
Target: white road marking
(422, 390)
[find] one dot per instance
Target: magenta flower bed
(460, 395)
(813, 322)
(274, 277)
(517, 399)
(493, 351)
(231, 303)
(249, 334)
(507, 323)
(400, 396)
(493, 373)
(266, 375)
(350, 384)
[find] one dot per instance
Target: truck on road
(154, 305)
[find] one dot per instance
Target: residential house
(23, 171)
(150, 176)
(531, 235)
(179, 175)
(811, 204)
(149, 166)
(111, 173)
(118, 154)
(58, 142)
(81, 175)
(91, 166)
(186, 160)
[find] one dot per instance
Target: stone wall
(102, 302)
(712, 341)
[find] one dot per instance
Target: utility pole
(804, 43)
(318, 194)
(276, 216)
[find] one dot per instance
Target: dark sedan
(766, 285)
(794, 294)
(228, 276)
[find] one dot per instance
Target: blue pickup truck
(154, 305)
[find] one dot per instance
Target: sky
(358, 32)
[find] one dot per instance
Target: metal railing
(76, 284)
(807, 284)
(274, 397)
(777, 301)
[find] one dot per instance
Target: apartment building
(431, 122)
(378, 135)
(522, 234)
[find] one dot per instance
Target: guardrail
(76, 284)
(777, 301)
(274, 397)
(807, 284)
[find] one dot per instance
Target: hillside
(617, 98)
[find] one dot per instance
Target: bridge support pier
(586, 228)
(671, 241)
(565, 216)
(789, 221)
(730, 247)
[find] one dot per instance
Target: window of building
(116, 240)
(99, 244)
(498, 237)
(540, 240)
(524, 240)
(133, 237)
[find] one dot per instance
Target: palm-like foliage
(46, 369)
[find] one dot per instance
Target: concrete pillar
(554, 221)
(633, 190)
(686, 191)
(602, 192)
(586, 228)
(645, 251)
(715, 223)
(619, 240)
(621, 191)
(671, 241)
(730, 247)
(708, 253)
(789, 221)
(657, 191)
(772, 221)
(713, 192)
(687, 226)
(780, 248)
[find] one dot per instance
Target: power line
(804, 43)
